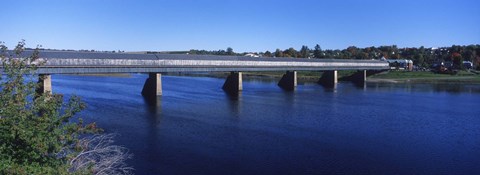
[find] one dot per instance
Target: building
(252, 55)
(401, 64)
(467, 64)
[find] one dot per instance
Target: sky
(244, 25)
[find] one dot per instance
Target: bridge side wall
(194, 64)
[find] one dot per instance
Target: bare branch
(101, 157)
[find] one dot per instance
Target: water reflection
(291, 99)
(233, 95)
(235, 101)
(428, 87)
(455, 88)
(152, 101)
(360, 85)
(153, 117)
(197, 128)
(153, 104)
(330, 87)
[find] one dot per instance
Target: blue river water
(196, 128)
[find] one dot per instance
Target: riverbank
(302, 76)
(118, 75)
(465, 77)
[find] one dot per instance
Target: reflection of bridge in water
(58, 62)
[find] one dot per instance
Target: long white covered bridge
(59, 62)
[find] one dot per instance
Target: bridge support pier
(360, 77)
(289, 81)
(44, 84)
(329, 78)
(153, 85)
(233, 84)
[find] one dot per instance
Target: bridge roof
(138, 56)
(98, 62)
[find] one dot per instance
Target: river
(196, 128)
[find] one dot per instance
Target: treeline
(423, 57)
(229, 51)
(73, 50)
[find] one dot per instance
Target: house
(402, 64)
(252, 55)
(467, 64)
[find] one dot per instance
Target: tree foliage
(278, 53)
(317, 52)
(230, 51)
(421, 56)
(424, 57)
(268, 54)
(39, 133)
(304, 52)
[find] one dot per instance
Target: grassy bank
(470, 77)
(425, 77)
(302, 76)
(118, 75)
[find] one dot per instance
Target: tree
(457, 60)
(230, 51)
(317, 52)
(290, 52)
(37, 131)
(98, 153)
(278, 53)
(304, 52)
(419, 60)
(351, 52)
(267, 54)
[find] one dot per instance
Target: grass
(390, 76)
(429, 77)
(119, 75)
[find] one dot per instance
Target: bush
(38, 132)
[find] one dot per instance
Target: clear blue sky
(244, 25)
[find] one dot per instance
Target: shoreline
(313, 77)
(459, 80)
(463, 77)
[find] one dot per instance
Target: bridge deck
(58, 62)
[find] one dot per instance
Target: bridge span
(60, 62)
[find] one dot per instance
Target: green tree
(419, 60)
(317, 52)
(290, 52)
(278, 53)
(230, 51)
(38, 132)
(268, 54)
(304, 52)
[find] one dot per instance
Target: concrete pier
(289, 81)
(233, 84)
(360, 77)
(329, 78)
(153, 85)
(44, 84)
